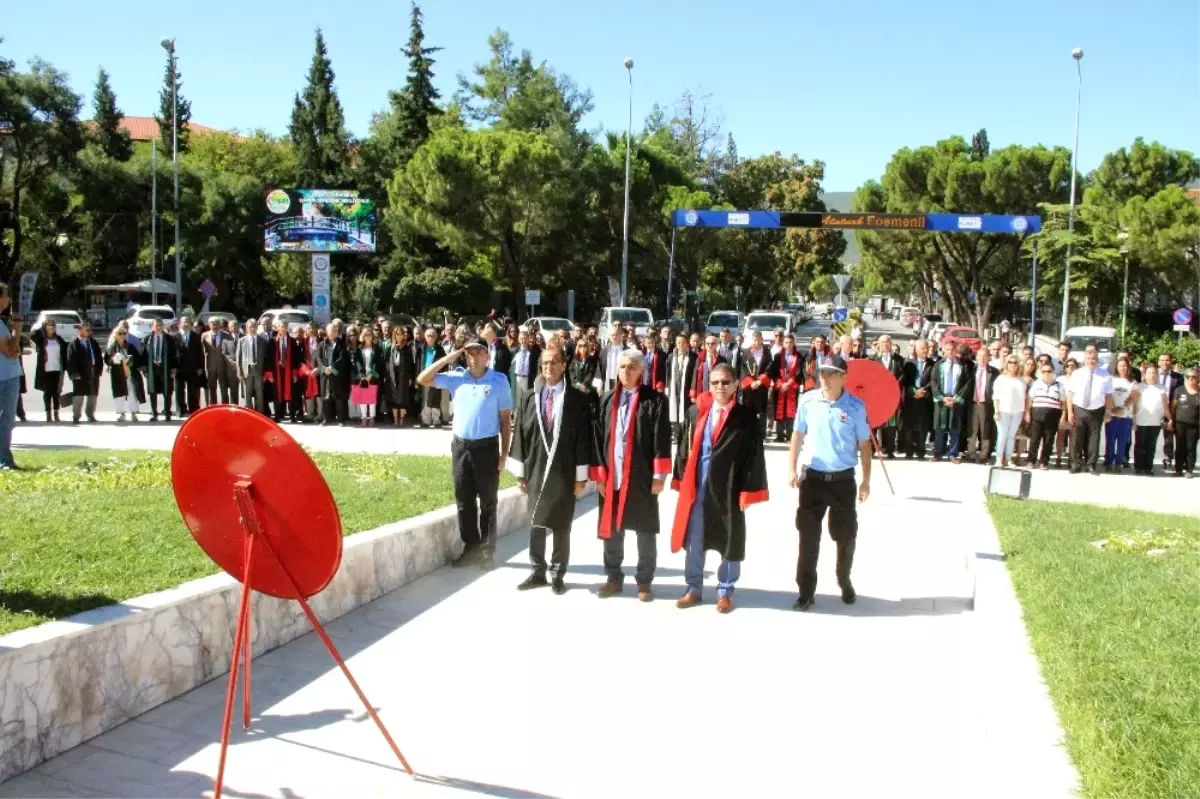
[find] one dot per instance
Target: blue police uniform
(475, 454)
(833, 430)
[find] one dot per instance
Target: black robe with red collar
(737, 477)
(656, 367)
(647, 453)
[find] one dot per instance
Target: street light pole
(169, 46)
(1077, 54)
(153, 217)
(628, 148)
(1122, 236)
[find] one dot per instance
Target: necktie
(716, 425)
(949, 378)
(252, 345)
(1087, 390)
(548, 408)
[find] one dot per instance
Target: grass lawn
(94, 527)
(1117, 632)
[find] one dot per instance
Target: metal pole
(175, 156)
(1125, 300)
(671, 269)
(1078, 55)
(1033, 302)
(153, 217)
(628, 150)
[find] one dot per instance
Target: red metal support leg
(882, 465)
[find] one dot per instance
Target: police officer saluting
(835, 423)
(482, 436)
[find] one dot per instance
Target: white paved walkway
(489, 691)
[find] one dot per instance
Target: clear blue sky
(846, 83)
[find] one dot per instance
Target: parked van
(640, 318)
(1105, 339)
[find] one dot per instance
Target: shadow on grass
(51, 605)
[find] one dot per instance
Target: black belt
(829, 477)
(477, 443)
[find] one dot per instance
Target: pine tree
(165, 107)
(980, 147)
(318, 127)
(111, 137)
(417, 102)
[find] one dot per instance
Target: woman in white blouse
(1008, 398)
(1119, 429)
(1148, 416)
(51, 366)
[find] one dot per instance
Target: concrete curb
(64, 682)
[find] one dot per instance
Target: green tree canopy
(318, 127)
(112, 138)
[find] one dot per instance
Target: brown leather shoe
(724, 604)
(609, 589)
(688, 600)
(644, 593)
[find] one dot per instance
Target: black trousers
(887, 438)
(783, 429)
(1042, 429)
(1085, 437)
(166, 400)
(187, 396)
(292, 408)
(560, 556)
(335, 408)
(476, 470)
(818, 495)
(1186, 435)
(1145, 442)
(914, 441)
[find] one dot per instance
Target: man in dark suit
(190, 370)
(1169, 381)
(917, 401)
(895, 366)
(253, 356)
(524, 368)
(551, 453)
(981, 425)
(500, 358)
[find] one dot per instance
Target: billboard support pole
(1033, 302)
(671, 270)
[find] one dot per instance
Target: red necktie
(548, 409)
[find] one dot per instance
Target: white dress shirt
(1100, 387)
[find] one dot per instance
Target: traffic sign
(840, 314)
(207, 288)
(533, 297)
(1182, 316)
(842, 281)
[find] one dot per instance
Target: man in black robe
(755, 374)
(334, 372)
(633, 461)
(720, 470)
(550, 456)
(190, 368)
(917, 401)
(160, 365)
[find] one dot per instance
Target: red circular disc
(223, 445)
(876, 387)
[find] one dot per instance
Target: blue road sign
(840, 314)
(1182, 316)
(982, 223)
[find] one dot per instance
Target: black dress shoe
(533, 581)
(558, 586)
(470, 555)
(803, 603)
(848, 595)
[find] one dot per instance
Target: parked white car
(641, 319)
(724, 320)
(549, 325)
(66, 322)
(141, 317)
(295, 318)
(766, 322)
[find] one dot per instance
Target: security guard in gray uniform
(482, 436)
(835, 423)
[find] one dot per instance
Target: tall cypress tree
(112, 138)
(417, 102)
(165, 107)
(318, 127)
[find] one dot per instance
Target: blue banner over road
(934, 223)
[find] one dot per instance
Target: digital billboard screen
(318, 220)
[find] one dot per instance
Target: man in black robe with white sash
(550, 456)
(633, 462)
(720, 470)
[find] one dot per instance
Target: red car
(962, 335)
